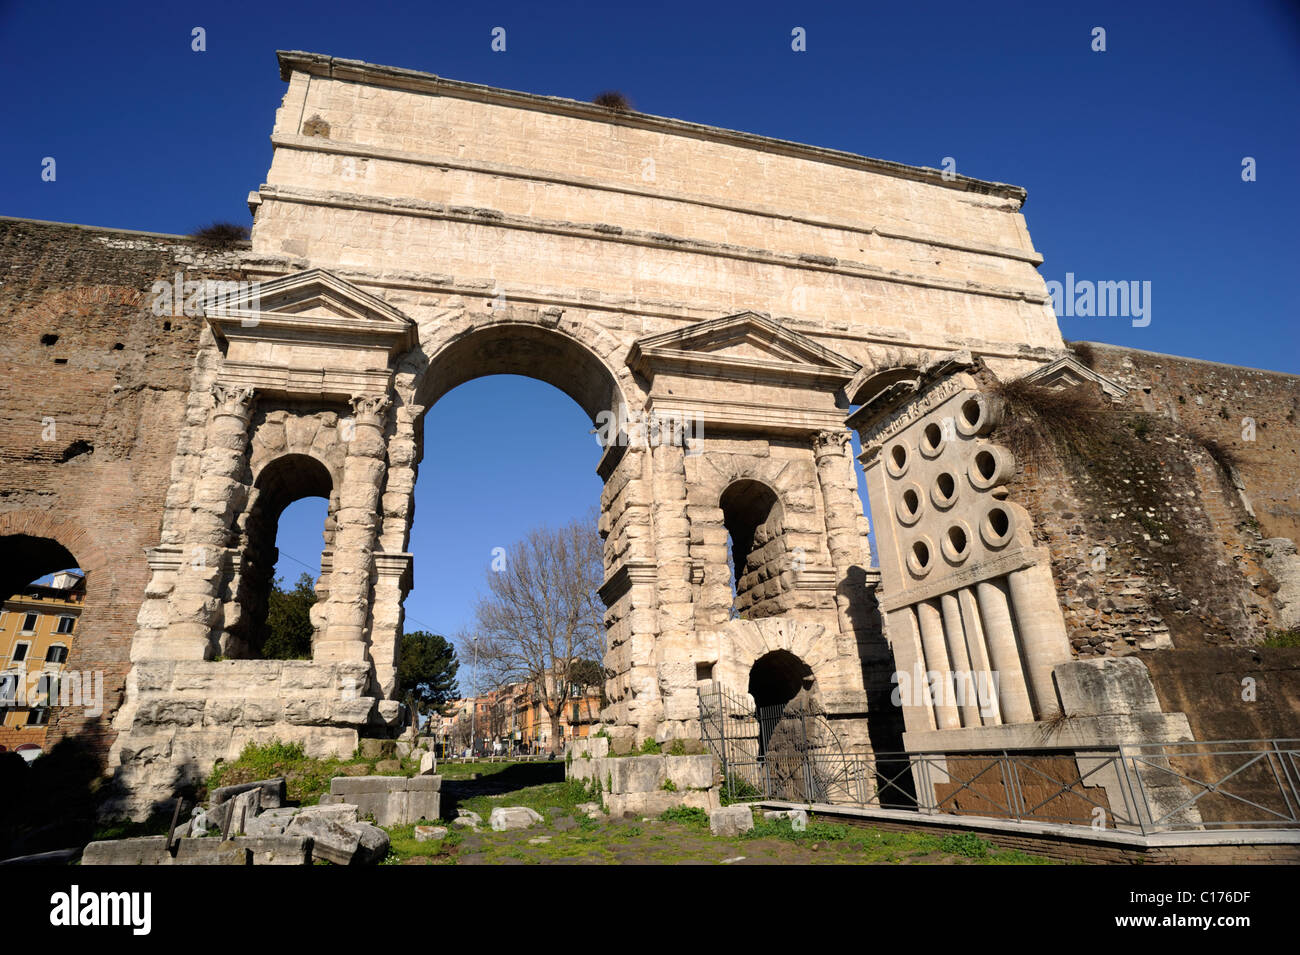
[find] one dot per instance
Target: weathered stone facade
(716, 302)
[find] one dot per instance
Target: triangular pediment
(745, 340)
(310, 304)
(1068, 372)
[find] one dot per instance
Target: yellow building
(37, 626)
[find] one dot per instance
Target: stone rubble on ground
(731, 820)
(513, 817)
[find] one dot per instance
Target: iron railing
(1150, 787)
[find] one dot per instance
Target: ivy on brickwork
(1141, 548)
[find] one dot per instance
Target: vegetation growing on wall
(1136, 485)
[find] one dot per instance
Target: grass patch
(1282, 638)
(402, 845)
(738, 789)
(965, 844)
(686, 816)
(306, 778)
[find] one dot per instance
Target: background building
(37, 626)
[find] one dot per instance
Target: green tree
(426, 672)
(288, 620)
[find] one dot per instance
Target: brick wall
(1152, 546)
(1213, 401)
(92, 389)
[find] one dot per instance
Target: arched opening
(529, 351)
(776, 680)
(290, 493)
(502, 455)
(753, 517)
(479, 455)
(44, 595)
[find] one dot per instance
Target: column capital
(234, 401)
(370, 409)
(830, 442)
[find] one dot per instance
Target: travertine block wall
(666, 220)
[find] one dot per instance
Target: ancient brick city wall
(93, 386)
(1213, 401)
(1151, 545)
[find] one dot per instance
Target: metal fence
(1158, 787)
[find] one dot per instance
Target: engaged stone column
(195, 602)
(843, 510)
(356, 533)
(1042, 632)
(1013, 695)
(676, 613)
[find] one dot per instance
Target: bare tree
(542, 617)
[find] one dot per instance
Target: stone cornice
(605, 233)
(630, 572)
(392, 77)
(597, 300)
(956, 579)
(506, 171)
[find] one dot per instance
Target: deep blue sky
(1132, 159)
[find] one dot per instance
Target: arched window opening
(289, 493)
(43, 592)
(753, 518)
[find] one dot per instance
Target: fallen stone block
(277, 849)
(343, 786)
(141, 850)
(352, 843)
(430, 833)
(273, 792)
(209, 852)
(388, 766)
(338, 811)
(428, 764)
(243, 807)
(731, 820)
(372, 843)
(269, 823)
(513, 817)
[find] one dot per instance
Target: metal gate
(788, 751)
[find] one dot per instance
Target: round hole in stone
(921, 554)
(957, 539)
(970, 410)
(986, 464)
(933, 435)
(911, 501)
(898, 455)
(999, 522)
(946, 485)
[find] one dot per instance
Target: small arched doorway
(777, 680)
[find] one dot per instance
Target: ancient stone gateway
(725, 308)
